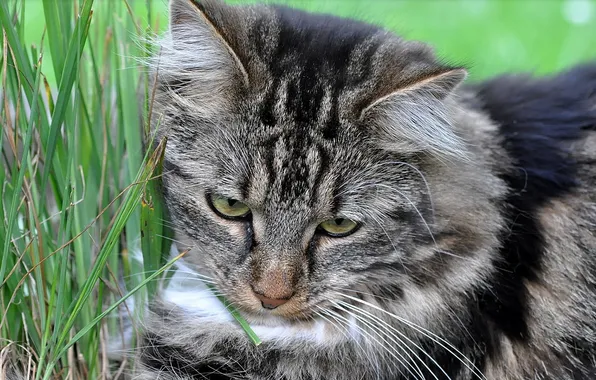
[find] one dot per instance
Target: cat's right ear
(200, 54)
(414, 117)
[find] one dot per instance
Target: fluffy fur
(476, 252)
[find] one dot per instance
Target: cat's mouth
(201, 294)
(293, 310)
(264, 310)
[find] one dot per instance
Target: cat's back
(546, 130)
(548, 124)
(547, 127)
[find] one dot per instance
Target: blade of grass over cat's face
(238, 317)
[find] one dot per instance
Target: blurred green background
(488, 36)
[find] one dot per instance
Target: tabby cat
(366, 213)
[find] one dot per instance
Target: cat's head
(309, 156)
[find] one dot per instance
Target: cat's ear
(415, 115)
(202, 46)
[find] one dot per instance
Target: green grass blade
(113, 307)
(154, 239)
(238, 317)
(12, 214)
(69, 74)
(130, 204)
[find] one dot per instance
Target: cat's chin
(270, 320)
(317, 331)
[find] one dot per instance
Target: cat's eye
(227, 207)
(338, 227)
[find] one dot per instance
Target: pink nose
(271, 303)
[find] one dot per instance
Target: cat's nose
(271, 303)
(273, 286)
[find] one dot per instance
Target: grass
(79, 194)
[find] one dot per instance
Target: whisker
(170, 239)
(389, 238)
(452, 254)
(184, 270)
(373, 360)
(169, 271)
(415, 209)
(377, 319)
(374, 320)
(363, 292)
(401, 360)
(197, 280)
(429, 334)
(430, 198)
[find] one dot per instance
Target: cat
(369, 214)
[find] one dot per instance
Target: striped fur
(476, 252)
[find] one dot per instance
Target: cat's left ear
(414, 116)
(201, 60)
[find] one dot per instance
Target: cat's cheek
(236, 230)
(331, 246)
(232, 235)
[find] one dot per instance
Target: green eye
(227, 207)
(338, 227)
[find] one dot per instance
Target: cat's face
(293, 168)
(289, 212)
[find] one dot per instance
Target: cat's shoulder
(559, 107)
(546, 125)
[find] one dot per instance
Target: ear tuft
(183, 12)
(416, 116)
(442, 84)
(438, 84)
(196, 51)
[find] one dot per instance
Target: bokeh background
(488, 36)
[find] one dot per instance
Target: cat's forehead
(287, 110)
(315, 45)
(310, 68)
(290, 172)
(299, 159)
(290, 158)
